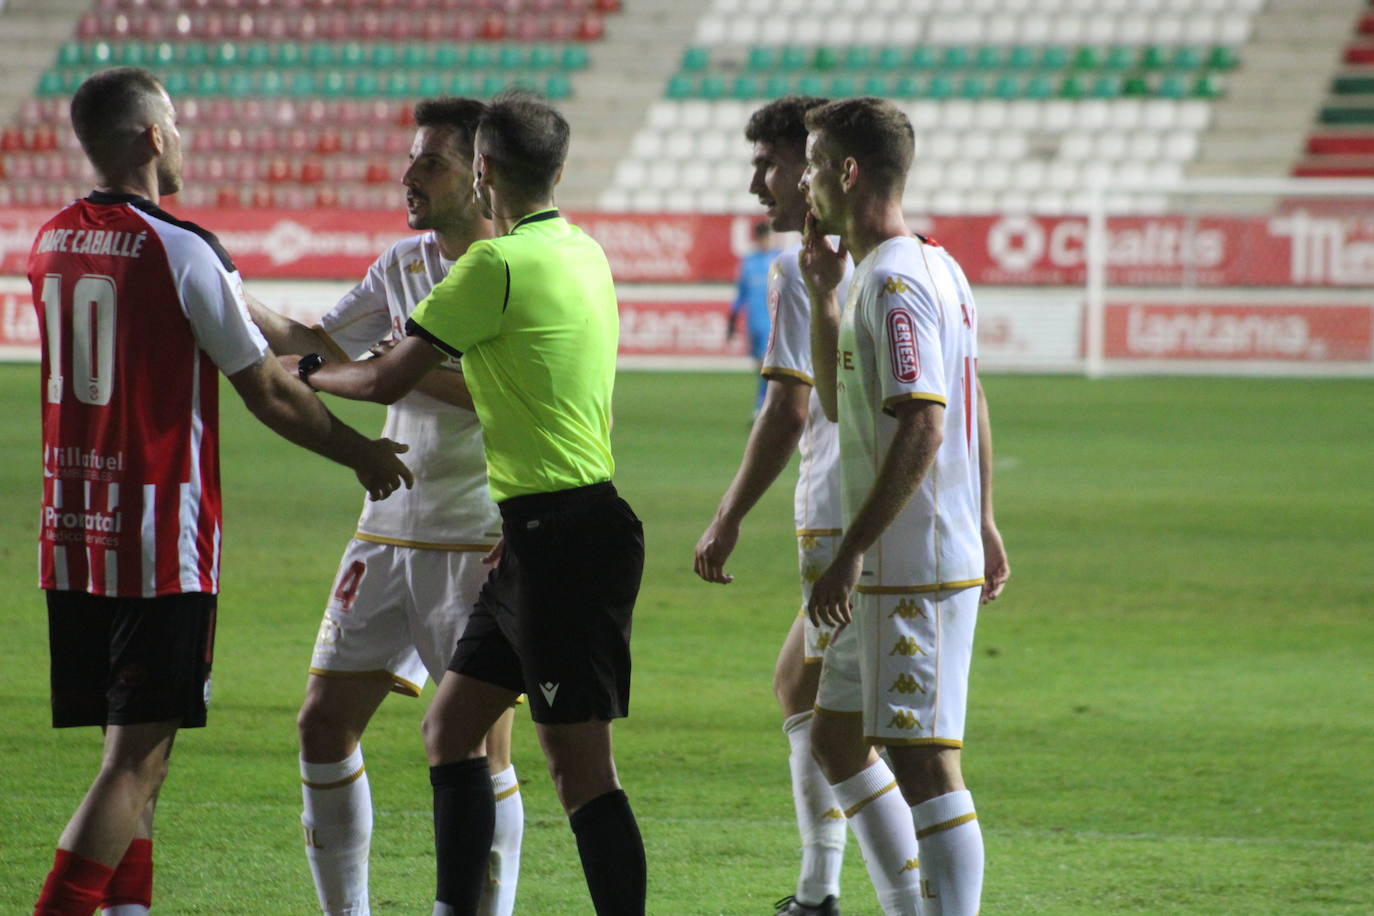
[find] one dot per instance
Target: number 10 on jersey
(92, 332)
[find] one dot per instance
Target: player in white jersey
(897, 367)
(412, 572)
(791, 418)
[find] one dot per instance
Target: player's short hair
(526, 139)
(873, 131)
(462, 115)
(112, 107)
(782, 122)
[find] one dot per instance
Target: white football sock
(125, 909)
(503, 870)
(819, 818)
(881, 821)
(951, 854)
(338, 832)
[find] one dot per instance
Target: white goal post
(1231, 276)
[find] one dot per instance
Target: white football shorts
(397, 612)
(903, 665)
(814, 553)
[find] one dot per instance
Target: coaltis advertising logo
(901, 338)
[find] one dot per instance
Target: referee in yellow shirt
(532, 312)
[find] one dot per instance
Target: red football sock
(132, 881)
(74, 886)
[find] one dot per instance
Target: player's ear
(559, 177)
(481, 169)
(153, 137)
(849, 172)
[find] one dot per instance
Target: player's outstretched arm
(284, 335)
(822, 267)
(442, 383)
(384, 380)
(287, 407)
(996, 568)
(771, 443)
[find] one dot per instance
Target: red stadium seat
(328, 142)
(591, 28)
(327, 197)
(312, 171)
(11, 139)
(493, 28)
(378, 173)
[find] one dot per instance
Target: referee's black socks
(464, 819)
(612, 854)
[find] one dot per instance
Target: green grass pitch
(1172, 708)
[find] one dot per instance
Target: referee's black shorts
(130, 661)
(554, 618)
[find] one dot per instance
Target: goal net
(1231, 277)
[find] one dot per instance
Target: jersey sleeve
(212, 299)
(361, 318)
(905, 325)
(789, 341)
(467, 306)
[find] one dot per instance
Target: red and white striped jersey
(137, 310)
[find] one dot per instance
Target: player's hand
(829, 604)
(996, 569)
(492, 557)
(822, 265)
(380, 472)
(713, 549)
(384, 347)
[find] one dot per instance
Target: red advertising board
(677, 329)
(1265, 333)
(1293, 248)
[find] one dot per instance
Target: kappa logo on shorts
(904, 719)
(907, 645)
(549, 690)
(907, 609)
(901, 339)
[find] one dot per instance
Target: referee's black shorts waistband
(534, 504)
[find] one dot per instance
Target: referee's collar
(551, 213)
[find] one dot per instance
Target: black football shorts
(128, 661)
(553, 620)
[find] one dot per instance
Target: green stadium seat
(793, 57)
(287, 54)
(300, 83)
(842, 87)
(575, 57)
(526, 81)
(461, 84)
(1071, 87)
(193, 54)
(679, 87)
(1186, 57)
(100, 54)
(206, 82)
(1153, 57)
(825, 58)
(956, 57)
(988, 57)
(446, 57)
(1054, 57)
(414, 57)
(1106, 87)
(1353, 85)
(906, 87)
(542, 57)
(1119, 57)
(163, 54)
(875, 85)
(272, 82)
(1207, 86)
(1222, 58)
(761, 59)
(889, 58)
(256, 55)
(383, 57)
(695, 59)
(1039, 87)
(239, 84)
(364, 84)
(1172, 86)
(1136, 87)
(711, 87)
(397, 85)
(776, 86)
(1021, 57)
(1008, 87)
(225, 54)
(492, 84)
(1087, 58)
(50, 83)
(478, 58)
(134, 54)
(924, 58)
(557, 87)
(319, 54)
(858, 57)
(511, 57)
(972, 87)
(70, 54)
(176, 83)
(939, 87)
(809, 85)
(744, 88)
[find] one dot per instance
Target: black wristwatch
(308, 364)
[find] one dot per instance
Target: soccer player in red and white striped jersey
(139, 311)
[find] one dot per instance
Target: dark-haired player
(533, 314)
(138, 311)
(411, 574)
